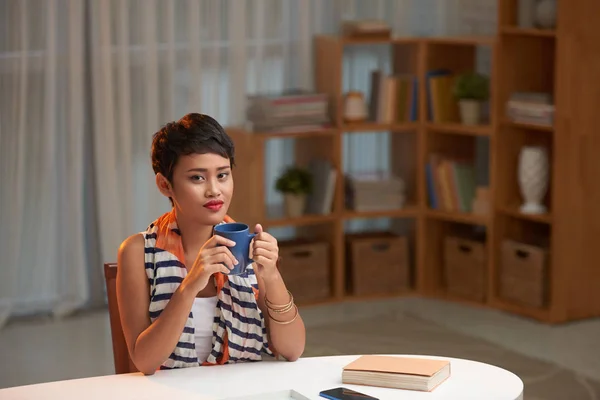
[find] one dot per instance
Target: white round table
(307, 376)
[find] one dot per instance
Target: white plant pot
(533, 178)
(294, 204)
(470, 112)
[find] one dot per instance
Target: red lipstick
(214, 205)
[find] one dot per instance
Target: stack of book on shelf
(531, 108)
(374, 191)
(393, 98)
(442, 106)
(450, 183)
(288, 111)
(320, 200)
(420, 374)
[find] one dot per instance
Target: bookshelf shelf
(409, 126)
(531, 127)
(523, 60)
(516, 31)
(475, 40)
(513, 211)
(410, 211)
(378, 127)
(459, 217)
(276, 218)
(461, 129)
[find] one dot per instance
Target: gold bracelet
(284, 309)
(280, 308)
(284, 322)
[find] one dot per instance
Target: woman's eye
(196, 178)
(223, 175)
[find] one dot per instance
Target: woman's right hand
(210, 260)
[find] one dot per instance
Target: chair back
(123, 363)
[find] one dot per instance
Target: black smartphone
(345, 394)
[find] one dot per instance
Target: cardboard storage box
(306, 269)
(524, 274)
(465, 266)
(377, 263)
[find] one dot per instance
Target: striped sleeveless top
(239, 331)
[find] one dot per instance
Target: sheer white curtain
(42, 128)
(85, 83)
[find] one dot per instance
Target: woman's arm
(285, 338)
(149, 344)
(286, 329)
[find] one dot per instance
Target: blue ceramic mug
(240, 234)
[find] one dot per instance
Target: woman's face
(202, 187)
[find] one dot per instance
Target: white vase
(545, 14)
(533, 178)
(294, 204)
(470, 111)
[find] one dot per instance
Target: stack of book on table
(420, 374)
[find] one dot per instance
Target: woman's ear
(164, 186)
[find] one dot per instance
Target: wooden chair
(123, 363)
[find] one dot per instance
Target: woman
(178, 306)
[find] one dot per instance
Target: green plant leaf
(472, 86)
(295, 180)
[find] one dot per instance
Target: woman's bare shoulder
(131, 251)
(132, 244)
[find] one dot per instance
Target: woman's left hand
(265, 253)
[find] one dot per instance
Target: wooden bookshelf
(522, 60)
(542, 60)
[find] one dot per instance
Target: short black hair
(194, 133)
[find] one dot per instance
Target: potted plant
(471, 89)
(295, 184)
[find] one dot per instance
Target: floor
(554, 362)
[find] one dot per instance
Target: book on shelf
(393, 98)
(320, 200)
(421, 374)
(442, 106)
(450, 183)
